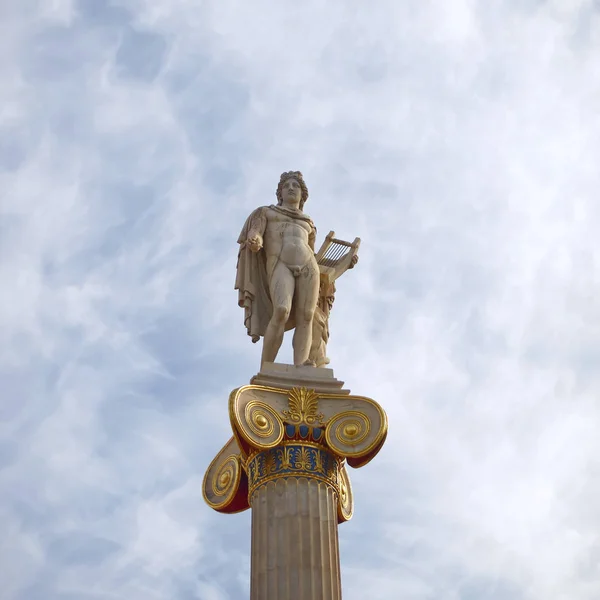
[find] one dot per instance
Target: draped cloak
(251, 281)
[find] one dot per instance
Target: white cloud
(458, 139)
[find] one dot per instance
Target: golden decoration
(223, 482)
(351, 430)
(347, 432)
(345, 500)
(303, 462)
(221, 485)
(270, 463)
(260, 418)
(292, 460)
(259, 451)
(261, 421)
(255, 423)
(285, 455)
(223, 477)
(303, 405)
(260, 426)
(319, 466)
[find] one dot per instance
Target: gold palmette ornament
(303, 405)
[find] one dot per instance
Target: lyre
(335, 256)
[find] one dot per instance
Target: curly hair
(288, 175)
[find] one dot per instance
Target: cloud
(458, 139)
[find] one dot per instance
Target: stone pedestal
(288, 376)
(287, 461)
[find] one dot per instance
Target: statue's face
(291, 191)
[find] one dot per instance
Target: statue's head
(298, 177)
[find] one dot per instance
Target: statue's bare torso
(286, 240)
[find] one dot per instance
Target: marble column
(295, 551)
(287, 461)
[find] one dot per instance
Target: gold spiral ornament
(222, 479)
(225, 476)
(345, 499)
(261, 425)
(348, 433)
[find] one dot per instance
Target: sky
(458, 138)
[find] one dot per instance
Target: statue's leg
(281, 288)
(307, 295)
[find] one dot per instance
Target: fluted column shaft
(295, 552)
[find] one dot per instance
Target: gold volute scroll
(225, 483)
(255, 423)
(345, 498)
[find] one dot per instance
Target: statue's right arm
(258, 224)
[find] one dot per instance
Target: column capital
(297, 432)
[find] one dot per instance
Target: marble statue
(282, 283)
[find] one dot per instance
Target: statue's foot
(308, 363)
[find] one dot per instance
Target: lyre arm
(338, 260)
